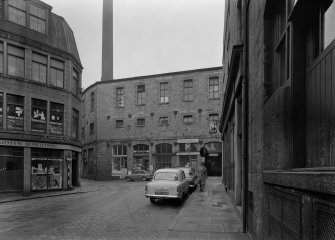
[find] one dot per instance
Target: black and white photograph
(167, 119)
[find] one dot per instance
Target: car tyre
(127, 179)
(144, 179)
(152, 200)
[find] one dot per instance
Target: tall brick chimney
(107, 41)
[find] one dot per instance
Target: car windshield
(166, 176)
(188, 173)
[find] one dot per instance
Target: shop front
(35, 166)
(119, 161)
(141, 157)
(188, 153)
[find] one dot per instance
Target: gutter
(245, 113)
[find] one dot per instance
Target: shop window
(120, 97)
(1, 110)
(188, 119)
(11, 168)
(17, 11)
(1, 58)
(164, 94)
(140, 94)
(56, 118)
(39, 71)
(91, 128)
(75, 124)
(15, 112)
(37, 19)
(163, 121)
(141, 157)
(188, 90)
(119, 123)
(213, 87)
(57, 73)
(140, 122)
(46, 167)
(92, 101)
(187, 147)
(38, 115)
(15, 61)
(75, 82)
(119, 161)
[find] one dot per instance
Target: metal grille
(323, 220)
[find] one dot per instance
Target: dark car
(191, 177)
(138, 175)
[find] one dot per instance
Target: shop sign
(188, 140)
(187, 153)
(213, 128)
(37, 145)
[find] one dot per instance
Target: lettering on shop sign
(27, 144)
(188, 140)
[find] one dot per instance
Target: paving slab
(207, 215)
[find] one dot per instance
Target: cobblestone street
(117, 210)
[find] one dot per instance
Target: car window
(183, 175)
(135, 172)
(166, 176)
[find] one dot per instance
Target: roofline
(153, 76)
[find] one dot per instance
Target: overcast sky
(150, 36)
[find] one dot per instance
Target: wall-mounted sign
(188, 140)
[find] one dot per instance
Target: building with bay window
(40, 79)
(151, 122)
(277, 116)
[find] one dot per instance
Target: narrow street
(119, 210)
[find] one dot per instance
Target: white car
(167, 183)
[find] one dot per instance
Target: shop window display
(46, 170)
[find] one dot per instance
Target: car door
(135, 175)
(184, 182)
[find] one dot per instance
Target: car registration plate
(161, 193)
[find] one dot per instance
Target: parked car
(138, 175)
(191, 176)
(167, 183)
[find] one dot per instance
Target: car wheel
(152, 200)
(144, 179)
(127, 179)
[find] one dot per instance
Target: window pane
(329, 26)
(38, 115)
(1, 110)
(56, 118)
(15, 112)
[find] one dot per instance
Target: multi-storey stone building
(277, 117)
(151, 122)
(40, 82)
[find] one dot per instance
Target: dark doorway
(214, 164)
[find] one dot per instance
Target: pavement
(208, 215)
(86, 186)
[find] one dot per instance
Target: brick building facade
(151, 122)
(40, 79)
(277, 118)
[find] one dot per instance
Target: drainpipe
(245, 115)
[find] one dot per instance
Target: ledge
(322, 182)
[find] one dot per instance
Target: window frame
(18, 57)
(92, 128)
(92, 104)
(75, 82)
(164, 93)
(119, 93)
(163, 118)
(38, 62)
(139, 120)
(118, 125)
(56, 111)
(212, 92)
(19, 104)
(140, 95)
(17, 9)
(2, 55)
(39, 105)
(188, 116)
(188, 90)
(57, 69)
(75, 124)
(39, 19)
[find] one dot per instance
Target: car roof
(168, 170)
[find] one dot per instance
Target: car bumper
(162, 196)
